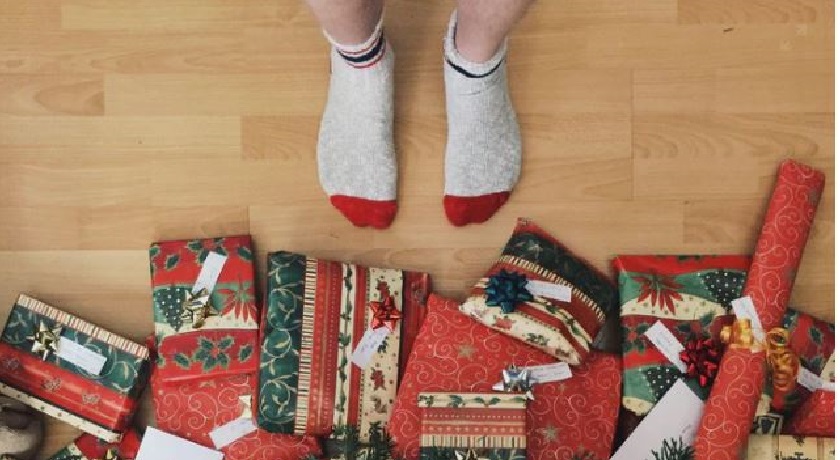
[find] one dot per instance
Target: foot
(356, 157)
(484, 146)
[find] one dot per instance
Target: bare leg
(347, 21)
(484, 24)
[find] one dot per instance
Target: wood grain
(649, 126)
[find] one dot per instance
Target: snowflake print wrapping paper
(570, 419)
(226, 343)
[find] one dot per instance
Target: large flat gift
(541, 293)
(71, 369)
(574, 418)
(316, 314)
(490, 425)
(89, 447)
(205, 307)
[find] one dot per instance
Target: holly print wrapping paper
(490, 424)
(570, 419)
(89, 447)
(316, 314)
(690, 296)
(226, 342)
(100, 403)
(193, 409)
(563, 328)
(789, 448)
(728, 417)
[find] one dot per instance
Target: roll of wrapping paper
(815, 417)
(727, 418)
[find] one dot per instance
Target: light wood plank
(51, 94)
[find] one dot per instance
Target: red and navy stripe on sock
(366, 57)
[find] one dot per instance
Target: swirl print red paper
(453, 352)
(815, 417)
(727, 419)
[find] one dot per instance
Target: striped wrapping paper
(316, 313)
(101, 405)
(493, 425)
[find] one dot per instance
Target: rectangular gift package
(70, 369)
(542, 294)
(215, 337)
(316, 313)
(766, 447)
(491, 425)
(88, 447)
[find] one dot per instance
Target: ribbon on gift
(506, 289)
(781, 360)
(111, 454)
(197, 308)
(385, 312)
(468, 454)
(45, 340)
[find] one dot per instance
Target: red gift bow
(385, 311)
(702, 360)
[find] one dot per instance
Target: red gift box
(454, 353)
(88, 447)
(815, 417)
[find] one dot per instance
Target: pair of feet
(356, 156)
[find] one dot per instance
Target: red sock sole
(463, 210)
(366, 213)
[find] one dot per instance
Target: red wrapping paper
(455, 353)
(815, 417)
(89, 447)
(727, 419)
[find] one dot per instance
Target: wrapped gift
(70, 369)
(317, 313)
(815, 417)
(789, 447)
(194, 410)
(690, 296)
(728, 416)
(572, 418)
(88, 447)
(205, 307)
(542, 294)
(489, 425)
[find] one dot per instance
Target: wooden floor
(650, 126)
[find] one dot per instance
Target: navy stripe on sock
(468, 74)
(370, 55)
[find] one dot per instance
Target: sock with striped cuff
(356, 158)
(483, 146)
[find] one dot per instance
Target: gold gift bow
(197, 307)
(111, 454)
(783, 362)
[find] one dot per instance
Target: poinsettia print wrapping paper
(192, 410)
(89, 447)
(316, 314)
(454, 353)
(226, 343)
(100, 403)
(690, 296)
(728, 416)
(564, 329)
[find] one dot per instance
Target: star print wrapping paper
(454, 353)
(490, 424)
(88, 447)
(225, 341)
(317, 311)
(690, 296)
(728, 416)
(777, 447)
(564, 328)
(192, 410)
(54, 378)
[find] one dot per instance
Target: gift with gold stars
(334, 337)
(71, 369)
(205, 307)
(88, 447)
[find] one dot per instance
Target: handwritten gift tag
(80, 356)
(554, 291)
(210, 271)
(744, 308)
(667, 344)
(370, 342)
(232, 431)
(158, 445)
(545, 373)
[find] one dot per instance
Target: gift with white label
(205, 308)
(541, 293)
(71, 369)
(89, 447)
(334, 337)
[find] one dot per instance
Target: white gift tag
(544, 374)
(744, 308)
(81, 357)
(209, 274)
(812, 381)
(370, 342)
(667, 344)
(157, 445)
(554, 291)
(232, 431)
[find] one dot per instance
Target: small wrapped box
(491, 425)
(766, 447)
(316, 314)
(542, 294)
(88, 447)
(70, 369)
(205, 308)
